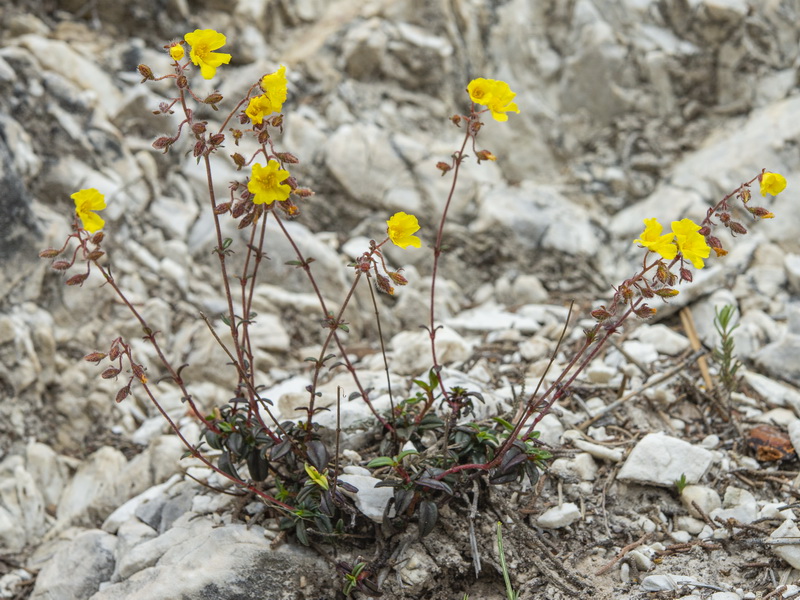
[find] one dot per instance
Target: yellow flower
(655, 242)
(401, 230)
(176, 52)
(493, 94)
(691, 244)
(266, 183)
(85, 202)
(772, 183)
(202, 43)
(258, 108)
(274, 86)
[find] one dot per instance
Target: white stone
(738, 504)
(706, 498)
(559, 516)
(725, 596)
(777, 416)
(94, 490)
(662, 338)
(790, 553)
(601, 452)
(370, 500)
(412, 350)
(659, 459)
(689, 524)
(666, 583)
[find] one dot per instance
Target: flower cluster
(494, 95)
(684, 239)
(203, 42)
(271, 101)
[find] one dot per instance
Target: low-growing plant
(427, 457)
(724, 353)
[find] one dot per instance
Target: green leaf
(226, 243)
(381, 461)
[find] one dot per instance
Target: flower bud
(724, 217)
(667, 293)
(238, 210)
(704, 231)
(217, 139)
(384, 286)
(110, 373)
(601, 314)
(745, 195)
(199, 148)
(221, 209)
(163, 143)
(263, 136)
(303, 192)
(443, 167)
(686, 275)
(238, 160)
(138, 372)
(277, 121)
(77, 279)
(94, 357)
(113, 354)
(485, 155)
(95, 255)
(713, 241)
(456, 119)
(237, 134)
(182, 82)
(49, 253)
(176, 52)
(760, 212)
(199, 128)
(645, 312)
(287, 157)
(214, 98)
(122, 394)
(61, 265)
(247, 220)
(145, 72)
(737, 227)
(396, 278)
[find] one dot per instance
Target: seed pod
(61, 265)
(122, 394)
(94, 357)
(49, 253)
(109, 373)
(737, 227)
(77, 279)
(95, 254)
(145, 72)
(138, 372)
(287, 157)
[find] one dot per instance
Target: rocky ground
(629, 109)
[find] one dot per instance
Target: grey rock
(78, 568)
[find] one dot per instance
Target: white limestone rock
(659, 459)
(559, 516)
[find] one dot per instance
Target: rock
(662, 338)
(738, 504)
(78, 567)
(370, 500)
(659, 459)
(492, 318)
(689, 524)
(175, 564)
(777, 358)
(789, 552)
(666, 583)
(559, 516)
(412, 350)
(706, 498)
(536, 217)
(598, 451)
(94, 491)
